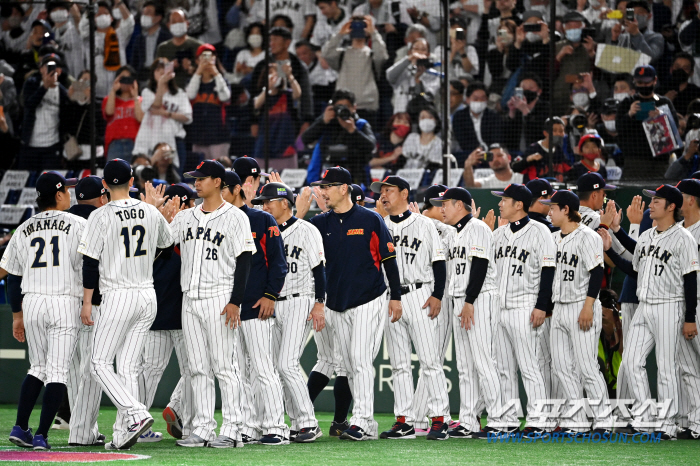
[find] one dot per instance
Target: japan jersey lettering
(418, 245)
(475, 240)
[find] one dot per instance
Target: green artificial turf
(332, 451)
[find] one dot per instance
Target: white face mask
(59, 16)
(146, 21)
(580, 99)
(609, 125)
(427, 125)
(533, 37)
(620, 96)
(103, 21)
(255, 40)
(476, 107)
(178, 29)
(117, 13)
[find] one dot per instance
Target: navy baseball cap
(49, 183)
(433, 192)
(247, 166)
(691, 187)
(540, 187)
(668, 192)
(358, 195)
(563, 198)
(517, 192)
(117, 172)
(274, 191)
(183, 190)
(696, 175)
(334, 176)
(232, 179)
(456, 194)
(89, 187)
(208, 168)
(592, 181)
(390, 181)
(644, 73)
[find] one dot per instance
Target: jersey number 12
(136, 230)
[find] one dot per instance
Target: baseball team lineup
(235, 284)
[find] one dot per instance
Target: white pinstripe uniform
(123, 236)
(578, 253)
(303, 247)
(209, 245)
(475, 348)
(420, 397)
(44, 252)
(418, 246)
(520, 258)
(661, 260)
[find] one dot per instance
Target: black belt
(407, 289)
(284, 298)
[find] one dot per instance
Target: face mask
(427, 125)
(25, 6)
(117, 13)
(620, 96)
(591, 157)
(609, 125)
(533, 37)
(642, 21)
(59, 16)
(679, 76)
(255, 40)
(103, 21)
(178, 29)
(477, 107)
(580, 99)
(644, 91)
(14, 21)
(146, 21)
(401, 130)
(557, 140)
(530, 96)
(574, 35)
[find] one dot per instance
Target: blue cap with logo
(89, 187)
(563, 198)
(334, 176)
(517, 192)
(667, 192)
(49, 183)
(454, 194)
(358, 195)
(393, 180)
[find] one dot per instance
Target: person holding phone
(122, 111)
(464, 60)
(413, 76)
(530, 48)
(181, 48)
(637, 34)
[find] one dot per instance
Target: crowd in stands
(357, 83)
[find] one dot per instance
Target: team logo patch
(324, 174)
(356, 231)
(115, 181)
(281, 192)
(598, 257)
(58, 186)
(82, 195)
(694, 263)
(200, 165)
(548, 258)
(477, 249)
(595, 186)
(249, 242)
(254, 170)
(254, 235)
(390, 247)
(441, 194)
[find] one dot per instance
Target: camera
(342, 112)
(532, 27)
(424, 62)
(128, 80)
(145, 173)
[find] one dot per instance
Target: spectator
(590, 148)
(464, 61)
(639, 161)
(347, 142)
(151, 34)
(121, 109)
(390, 142)
(17, 26)
(584, 97)
(607, 128)
(280, 39)
(638, 35)
(249, 57)
(457, 102)
(283, 21)
(66, 21)
(506, 11)
(300, 13)
(413, 33)
(47, 118)
(166, 109)
(497, 56)
(499, 161)
(162, 162)
(30, 57)
(530, 50)
(523, 124)
(9, 139)
(358, 65)
(328, 24)
(209, 94)
(110, 44)
(391, 18)
(321, 76)
(180, 49)
(534, 163)
(477, 126)
(574, 56)
(679, 90)
(79, 92)
(684, 167)
(688, 36)
(623, 87)
(412, 78)
(281, 101)
(423, 149)
(432, 22)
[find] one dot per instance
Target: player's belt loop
(408, 288)
(295, 295)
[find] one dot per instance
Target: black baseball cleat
(293, 435)
(625, 429)
(99, 442)
(600, 432)
(687, 434)
(534, 432)
(438, 431)
(572, 433)
(663, 435)
(248, 440)
(488, 432)
(307, 435)
(356, 433)
(337, 428)
(461, 432)
(399, 431)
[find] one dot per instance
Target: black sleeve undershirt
(14, 292)
(240, 277)
(544, 296)
(91, 272)
(320, 280)
(165, 253)
(392, 273)
(440, 275)
(477, 275)
(690, 286)
(625, 240)
(595, 282)
(621, 263)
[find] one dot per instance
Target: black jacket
(491, 129)
(33, 93)
(138, 54)
(631, 136)
(301, 74)
(532, 126)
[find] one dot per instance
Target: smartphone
(206, 55)
(128, 80)
(644, 109)
(169, 67)
(588, 32)
(630, 14)
(460, 34)
(424, 62)
(519, 94)
(51, 67)
(532, 27)
(503, 33)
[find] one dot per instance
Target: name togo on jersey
(204, 235)
(512, 252)
(42, 225)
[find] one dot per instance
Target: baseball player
(357, 243)
(84, 392)
(216, 251)
(119, 244)
(248, 170)
(43, 265)
(300, 302)
(665, 264)
(540, 189)
(359, 198)
(577, 315)
(262, 394)
(447, 234)
(166, 333)
(421, 261)
(473, 286)
(525, 258)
